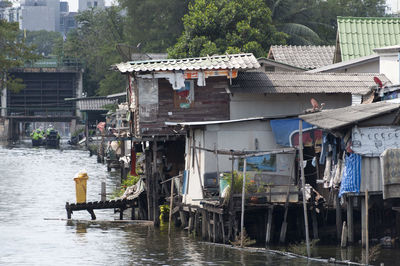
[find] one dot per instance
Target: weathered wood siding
(211, 103)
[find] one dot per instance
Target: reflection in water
(36, 183)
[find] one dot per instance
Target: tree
(295, 18)
(13, 53)
(94, 43)
(43, 41)
(226, 26)
(154, 24)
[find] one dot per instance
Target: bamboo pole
(303, 181)
(243, 196)
(171, 202)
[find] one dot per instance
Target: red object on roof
(378, 82)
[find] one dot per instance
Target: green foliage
(247, 241)
(314, 21)
(94, 42)
(301, 248)
(129, 181)
(43, 41)
(154, 24)
(218, 27)
(13, 53)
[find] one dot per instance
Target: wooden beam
(303, 182)
(269, 226)
(350, 220)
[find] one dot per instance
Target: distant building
(8, 12)
(40, 15)
(88, 4)
(67, 19)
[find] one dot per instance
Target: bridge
(47, 83)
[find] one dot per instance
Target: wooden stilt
(214, 227)
(343, 242)
(148, 185)
(221, 220)
(171, 201)
(366, 228)
(314, 223)
(203, 224)
(350, 220)
(209, 231)
(230, 236)
(155, 183)
(196, 223)
(303, 182)
(243, 198)
(269, 225)
(182, 216)
(133, 213)
(338, 217)
(363, 236)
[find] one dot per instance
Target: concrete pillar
(350, 220)
(4, 102)
(79, 90)
(72, 127)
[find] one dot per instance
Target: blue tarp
(285, 129)
(351, 179)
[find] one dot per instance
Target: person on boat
(50, 129)
(37, 134)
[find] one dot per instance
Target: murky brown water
(35, 183)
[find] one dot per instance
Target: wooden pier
(118, 205)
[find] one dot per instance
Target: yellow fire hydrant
(80, 187)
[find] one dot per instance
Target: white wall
(237, 136)
(389, 66)
(254, 105)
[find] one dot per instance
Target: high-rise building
(8, 12)
(88, 4)
(40, 15)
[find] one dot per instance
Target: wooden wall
(211, 103)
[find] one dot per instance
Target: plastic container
(81, 186)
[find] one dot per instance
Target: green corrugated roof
(359, 36)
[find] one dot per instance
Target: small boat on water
(38, 138)
(52, 138)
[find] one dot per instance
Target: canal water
(35, 184)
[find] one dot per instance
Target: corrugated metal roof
(233, 61)
(204, 123)
(359, 36)
(336, 118)
(346, 64)
(307, 56)
(94, 104)
(300, 82)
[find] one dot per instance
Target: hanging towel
(351, 179)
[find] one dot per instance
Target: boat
(52, 138)
(38, 138)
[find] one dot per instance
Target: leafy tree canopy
(13, 53)
(154, 24)
(315, 21)
(226, 26)
(94, 42)
(43, 41)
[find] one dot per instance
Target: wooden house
(363, 134)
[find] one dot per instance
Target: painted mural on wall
(373, 141)
(260, 163)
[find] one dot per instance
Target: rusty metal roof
(303, 56)
(300, 82)
(336, 118)
(233, 61)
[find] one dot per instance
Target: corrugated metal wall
(371, 176)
